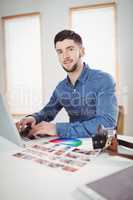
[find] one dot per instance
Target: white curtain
(97, 28)
(23, 63)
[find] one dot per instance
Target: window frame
(104, 5)
(18, 114)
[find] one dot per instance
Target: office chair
(120, 120)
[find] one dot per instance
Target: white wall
(2, 74)
(125, 44)
(55, 17)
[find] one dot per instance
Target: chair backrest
(120, 120)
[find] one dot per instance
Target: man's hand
(21, 125)
(43, 128)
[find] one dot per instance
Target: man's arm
(49, 112)
(106, 114)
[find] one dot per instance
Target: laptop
(8, 129)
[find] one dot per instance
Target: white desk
(23, 180)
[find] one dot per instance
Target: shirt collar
(83, 75)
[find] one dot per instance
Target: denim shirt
(90, 102)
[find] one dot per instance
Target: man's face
(69, 54)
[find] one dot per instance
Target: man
(87, 95)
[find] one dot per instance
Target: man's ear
(82, 51)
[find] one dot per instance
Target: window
(23, 63)
(96, 24)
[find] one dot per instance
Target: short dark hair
(67, 34)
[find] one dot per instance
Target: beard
(73, 68)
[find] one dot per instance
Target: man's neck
(73, 76)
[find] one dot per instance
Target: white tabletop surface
(23, 180)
